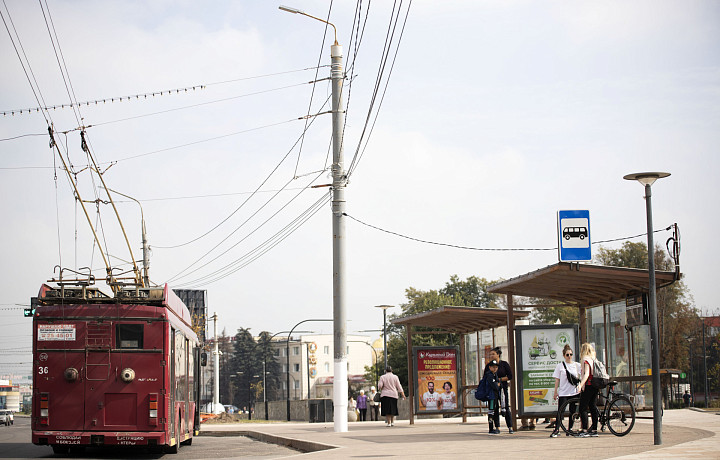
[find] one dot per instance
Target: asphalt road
(15, 443)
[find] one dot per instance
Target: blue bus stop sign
(574, 236)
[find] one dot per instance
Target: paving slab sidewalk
(686, 434)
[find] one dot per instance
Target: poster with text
(539, 351)
(436, 377)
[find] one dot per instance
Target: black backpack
(484, 391)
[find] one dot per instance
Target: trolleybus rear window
(129, 335)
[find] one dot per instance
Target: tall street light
(647, 179)
(340, 382)
(287, 357)
(384, 309)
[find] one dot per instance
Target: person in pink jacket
(390, 389)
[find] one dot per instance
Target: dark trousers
(561, 401)
(494, 413)
(505, 406)
(588, 400)
(374, 413)
(363, 414)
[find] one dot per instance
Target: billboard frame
(418, 387)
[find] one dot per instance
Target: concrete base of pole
(340, 396)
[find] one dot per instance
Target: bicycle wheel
(621, 416)
(570, 410)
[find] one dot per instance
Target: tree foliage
(677, 320)
(471, 292)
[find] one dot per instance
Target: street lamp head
(384, 307)
(290, 9)
(646, 178)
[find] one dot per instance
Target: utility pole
(216, 370)
(340, 383)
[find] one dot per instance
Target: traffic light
(29, 312)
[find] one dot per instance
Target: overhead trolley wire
(471, 248)
(358, 154)
(145, 95)
(253, 193)
(34, 87)
(266, 246)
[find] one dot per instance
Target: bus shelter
(455, 320)
(612, 315)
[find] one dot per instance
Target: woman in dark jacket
(504, 373)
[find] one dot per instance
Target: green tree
(676, 317)
(272, 367)
(551, 315)
(471, 292)
(247, 367)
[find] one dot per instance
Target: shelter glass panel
(618, 344)
(596, 330)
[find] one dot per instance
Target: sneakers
(554, 434)
(496, 431)
(588, 434)
(571, 433)
(510, 431)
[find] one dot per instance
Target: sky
(490, 117)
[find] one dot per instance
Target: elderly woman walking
(390, 389)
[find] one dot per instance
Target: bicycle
(618, 412)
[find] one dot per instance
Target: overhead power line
(471, 248)
(143, 96)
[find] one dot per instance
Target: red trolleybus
(113, 371)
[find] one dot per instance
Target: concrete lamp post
(647, 179)
(384, 309)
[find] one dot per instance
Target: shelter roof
(582, 285)
(460, 319)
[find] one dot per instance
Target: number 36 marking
(42, 370)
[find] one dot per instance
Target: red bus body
(113, 371)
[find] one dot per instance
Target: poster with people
(539, 350)
(436, 377)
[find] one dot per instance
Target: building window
(283, 352)
(284, 385)
(297, 385)
(296, 367)
(296, 351)
(327, 392)
(326, 349)
(276, 352)
(284, 368)
(327, 367)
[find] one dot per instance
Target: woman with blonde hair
(588, 395)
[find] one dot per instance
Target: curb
(297, 444)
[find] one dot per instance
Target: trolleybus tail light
(153, 406)
(44, 408)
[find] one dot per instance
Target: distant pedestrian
(504, 373)
(390, 389)
(362, 405)
(686, 398)
(374, 404)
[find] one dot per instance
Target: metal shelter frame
(569, 284)
(454, 320)
(572, 284)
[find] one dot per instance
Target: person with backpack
(491, 383)
(567, 377)
(504, 373)
(589, 392)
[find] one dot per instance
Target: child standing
(494, 403)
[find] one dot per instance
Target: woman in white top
(566, 388)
